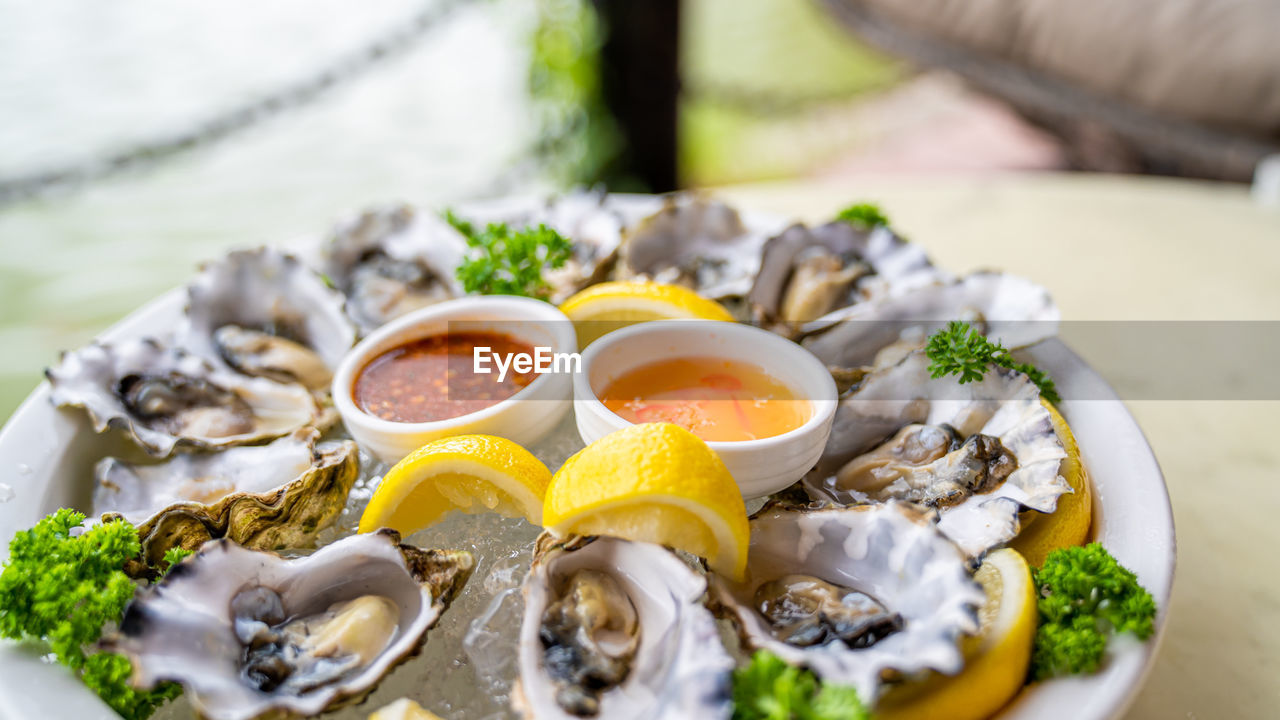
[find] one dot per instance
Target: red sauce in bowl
(434, 378)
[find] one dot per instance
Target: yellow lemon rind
(996, 661)
(505, 465)
(730, 536)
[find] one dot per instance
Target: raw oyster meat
(1006, 308)
(978, 452)
(805, 610)
(389, 261)
(807, 272)
(250, 634)
(163, 397)
(617, 629)
(854, 594)
(264, 313)
(265, 497)
(692, 241)
(929, 465)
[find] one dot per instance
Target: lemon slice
(1069, 523)
(471, 473)
(996, 659)
(608, 306)
(653, 482)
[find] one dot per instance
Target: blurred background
(137, 138)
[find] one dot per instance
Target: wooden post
(640, 75)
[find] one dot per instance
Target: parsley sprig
(64, 589)
(863, 216)
(960, 350)
(1084, 596)
(503, 261)
(770, 689)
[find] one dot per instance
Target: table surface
(1116, 248)
(1109, 248)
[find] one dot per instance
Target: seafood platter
(588, 456)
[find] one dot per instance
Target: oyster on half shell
(389, 261)
(264, 313)
(854, 594)
(250, 634)
(807, 272)
(164, 397)
(1006, 308)
(265, 497)
(617, 629)
(978, 452)
(692, 241)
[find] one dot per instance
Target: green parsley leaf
(461, 225)
(1084, 596)
(108, 675)
(503, 261)
(63, 589)
(173, 556)
(960, 350)
(770, 689)
(863, 216)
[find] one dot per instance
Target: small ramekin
(760, 467)
(524, 417)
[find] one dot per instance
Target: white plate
(47, 457)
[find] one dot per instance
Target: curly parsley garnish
(503, 261)
(960, 350)
(173, 556)
(63, 589)
(863, 216)
(1084, 596)
(770, 689)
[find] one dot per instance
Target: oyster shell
(267, 497)
(898, 594)
(807, 272)
(617, 629)
(1008, 309)
(979, 452)
(389, 261)
(250, 634)
(264, 313)
(162, 397)
(692, 241)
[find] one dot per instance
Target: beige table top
(1140, 249)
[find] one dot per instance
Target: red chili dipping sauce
(434, 378)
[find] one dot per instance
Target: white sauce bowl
(523, 418)
(761, 466)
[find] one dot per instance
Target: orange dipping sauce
(434, 378)
(714, 398)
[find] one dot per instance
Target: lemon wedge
(653, 482)
(608, 306)
(1068, 525)
(471, 473)
(996, 659)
